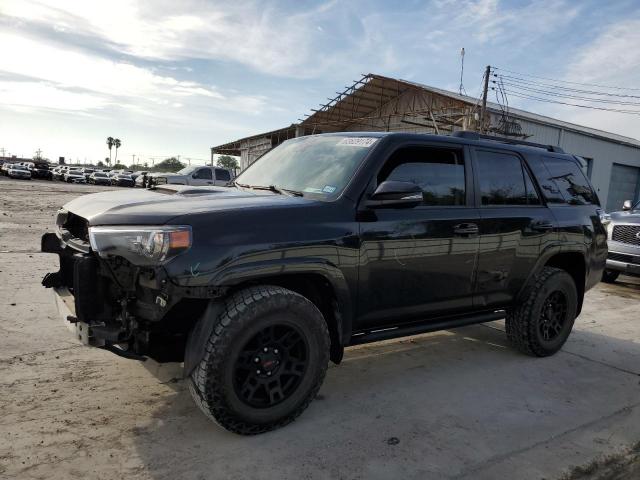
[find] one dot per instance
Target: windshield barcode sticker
(358, 141)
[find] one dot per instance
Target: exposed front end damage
(108, 302)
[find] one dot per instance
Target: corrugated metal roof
(359, 100)
(534, 117)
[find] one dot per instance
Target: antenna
(461, 89)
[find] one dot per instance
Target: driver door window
(440, 174)
(202, 176)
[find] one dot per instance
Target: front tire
(610, 276)
(541, 323)
(264, 362)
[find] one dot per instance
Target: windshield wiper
(271, 188)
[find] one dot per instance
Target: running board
(413, 329)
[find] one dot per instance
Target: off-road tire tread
(518, 323)
(206, 390)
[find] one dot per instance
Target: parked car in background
(59, 172)
(623, 239)
(5, 168)
(135, 175)
(99, 178)
(41, 170)
(87, 172)
(122, 180)
(19, 171)
(195, 175)
(74, 175)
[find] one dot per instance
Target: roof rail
(478, 136)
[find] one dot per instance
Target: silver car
(623, 238)
(19, 171)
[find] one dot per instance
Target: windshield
(320, 165)
(99, 174)
(19, 167)
(187, 170)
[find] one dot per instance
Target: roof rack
(478, 136)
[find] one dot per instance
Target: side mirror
(396, 194)
(627, 205)
(194, 175)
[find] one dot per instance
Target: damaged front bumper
(67, 313)
(85, 299)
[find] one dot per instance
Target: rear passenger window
(440, 173)
(203, 174)
(571, 181)
(504, 180)
(222, 175)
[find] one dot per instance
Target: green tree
(100, 164)
(227, 161)
(169, 165)
(117, 144)
(119, 166)
(110, 146)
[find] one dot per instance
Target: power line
(547, 100)
(567, 95)
(567, 81)
(522, 81)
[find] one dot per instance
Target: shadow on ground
(451, 404)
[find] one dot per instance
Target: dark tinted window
(504, 180)
(440, 173)
(203, 174)
(222, 174)
(570, 180)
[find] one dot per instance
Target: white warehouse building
(378, 103)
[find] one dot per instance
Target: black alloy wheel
(540, 323)
(264, 360)
(270, 366)
(553, 316)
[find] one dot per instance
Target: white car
(19, 171)
(194, 175)
(75, 175)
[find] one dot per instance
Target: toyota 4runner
(329, 241)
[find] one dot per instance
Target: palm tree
(117, 143)
(110, 144)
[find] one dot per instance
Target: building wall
(252, 149)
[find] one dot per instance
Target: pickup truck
(325, 242)
(193, 175)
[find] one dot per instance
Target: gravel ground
(453, 404)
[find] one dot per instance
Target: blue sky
(176, 77)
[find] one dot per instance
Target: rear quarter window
(570, 181)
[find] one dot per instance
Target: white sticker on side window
(357, 141)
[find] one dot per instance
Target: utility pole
(483, 112)
(133, 159)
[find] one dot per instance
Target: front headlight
(141, 245)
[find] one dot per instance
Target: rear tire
(541, 323)
(610, 276)
(264, 362)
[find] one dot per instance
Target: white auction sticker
(358, 141)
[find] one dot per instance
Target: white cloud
(69, 80)
(611, 59)
(247, 32)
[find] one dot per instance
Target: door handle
(542, 226)
(466, 229)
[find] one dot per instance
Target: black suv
(329, 241)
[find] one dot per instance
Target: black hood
(160, 205)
